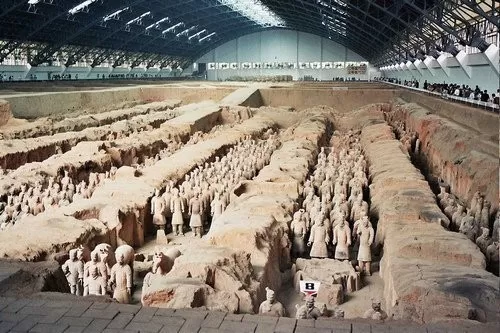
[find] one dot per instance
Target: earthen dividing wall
(462, 157)
(341, 100)
(485, 123)
(430, 274)
(36, 105)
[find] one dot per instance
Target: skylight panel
(172, 28)
(115, 14)
(165, 19)
(138, 18)
(207, 37)
(256, 11)
(82, 6)
(198, 34)
(187, 31)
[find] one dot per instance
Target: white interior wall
(25, 72)
(281, 46)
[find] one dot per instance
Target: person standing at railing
(485, 97)
(425, 85)
(496, 99)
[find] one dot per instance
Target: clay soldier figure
(492, 256)
(50, 183)
(159, 263)
(484, 240)
(298, 228)
(65, 180)
(308, 310)
(469, 227)
(121, 278)
(71, 191)
(357, 224)
(322, 154)
(485, 214)
(47, 201)
(218, 205)
(94, 276)
(64, 200)
(342, 238)
(496, 227)
(177, 206)
(376, 312)
(167, 196)
(479, 208)
(271, 307)
(318, 239)
(73, 268)
(366, 235)
(457, 216)
(157, 209)
(112, 172)
(359, 209)
(195, 211)
(474, 202)
(38, 206)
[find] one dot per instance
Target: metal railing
(471, 102)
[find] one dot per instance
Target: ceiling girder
(490, 17)
(375, 29)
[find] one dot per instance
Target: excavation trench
(423, 264)
(243, 251)
(49, 126)
(126, 197)
(100, 157)
(410, 124)
(18, 152)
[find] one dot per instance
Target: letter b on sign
(309, 287)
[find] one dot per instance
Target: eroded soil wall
(429, 273)
(465, 159)
(484, 122)
(32, 106)
(341, 100)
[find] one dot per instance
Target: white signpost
(309, 287)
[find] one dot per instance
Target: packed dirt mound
(212, 277)
(21, 279)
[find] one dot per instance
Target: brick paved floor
(52, 316)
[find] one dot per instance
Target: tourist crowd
(453, 89)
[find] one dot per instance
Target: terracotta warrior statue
(342, 238)
(271, 307)
(73, 268)
(121, 279)
(376, 312)
(298, 229)
(308, 310)
(484, 240)
(366, 234)
(94, 276)
(485, 214)
(177, 207)
(318, 239)
(217, 207)
(195, 211)
(158, 209)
